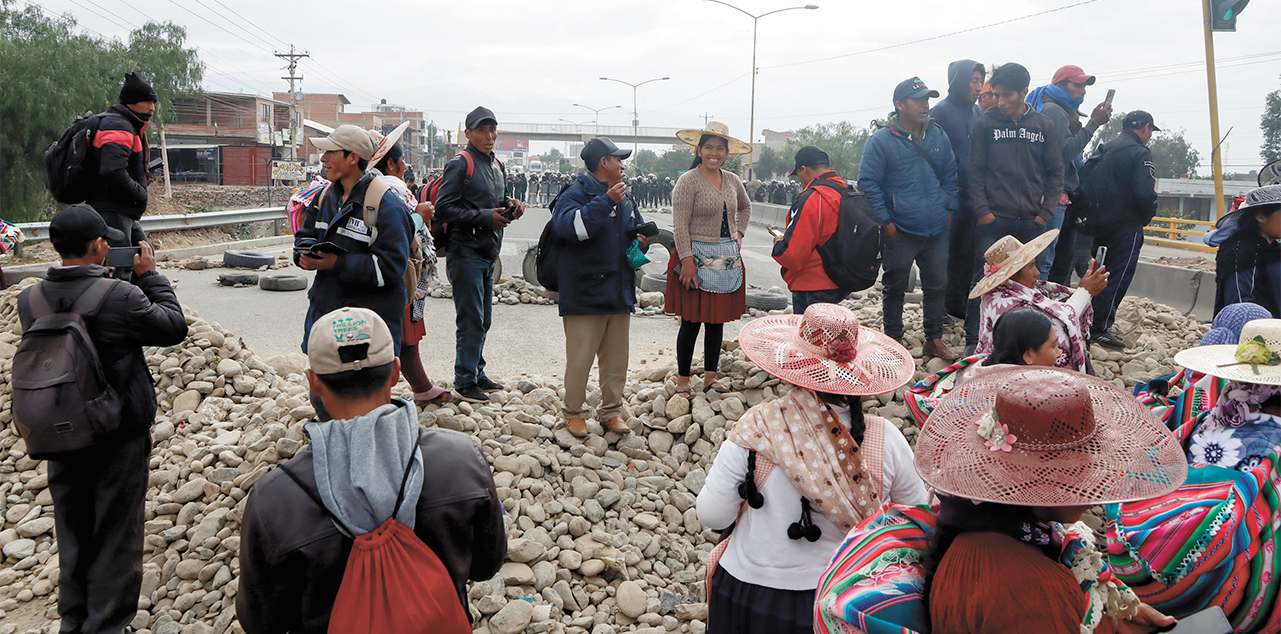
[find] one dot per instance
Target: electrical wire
(251, 23)
(220, 27)
(130, 26)
(68, 17)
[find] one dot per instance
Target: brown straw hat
(385, 143)
(1007, 256)
(1255, 359)
(1034, 436)
(715, 128)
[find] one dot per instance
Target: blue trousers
(1121, 261)
(930, 255)
(984, 237)
(1047, 256)
(960, 257)
(804, 299)
(473, 282)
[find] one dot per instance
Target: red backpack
(427, 193)
(393, 582)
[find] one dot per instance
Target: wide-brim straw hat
(1255, 358)
(385, 143)
(715, 128)
(1036, 436)
(1008, 256)
(826, 350)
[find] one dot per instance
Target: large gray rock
(513, 618)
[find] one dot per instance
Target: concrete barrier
(15, 274)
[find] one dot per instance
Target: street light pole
(597, 111)
(751, 138)
(635, 116)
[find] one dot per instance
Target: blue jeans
(960, 258)
(1122, 260)
(804, 299)
(930, 255)
(985, 235)
(1047, 256)
(473, 282)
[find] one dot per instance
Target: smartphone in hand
(121, 257)
(1100, 256)
(1111, 94)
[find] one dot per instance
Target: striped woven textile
(1199, 392)
(1211, 542)
(923, 397)
(875, 583)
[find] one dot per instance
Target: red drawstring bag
(393, 583)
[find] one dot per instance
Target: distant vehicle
(535, 167)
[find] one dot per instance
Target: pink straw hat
(1034, 436)
(827, 351)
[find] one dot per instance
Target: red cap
(1073, 74)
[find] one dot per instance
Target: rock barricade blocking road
(603, 532)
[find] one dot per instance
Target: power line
(234, 23)
(220, 27)
(69, 17)
(127, 28)
(251, 23)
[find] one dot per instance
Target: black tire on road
(651, 284)
(529, 267)
(247, 259)
(762, 300)
(665, 238)
(282, 282)
(231, 279)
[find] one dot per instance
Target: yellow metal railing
(1170, 227)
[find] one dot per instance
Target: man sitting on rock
(293, 552)
(597, 283)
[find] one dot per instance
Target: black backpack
(61, 399)
(70, 164)
(852, 256)
(547, 258)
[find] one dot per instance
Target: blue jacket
(956, 114)
(902, 187)
(368, 275)
(593, 273)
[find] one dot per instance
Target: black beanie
(136, 90)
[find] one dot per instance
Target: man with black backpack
(810, 223)
(85, 400)
(414, 510)
(908, 173)
(120, 190)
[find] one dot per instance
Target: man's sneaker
(473, 394)
(970, 348)
(1108, 340)
(487, 384)
(936, 348)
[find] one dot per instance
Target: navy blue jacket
(368, 275)
(593, 273)
(956, 114)
(467, 206)
(902, 187)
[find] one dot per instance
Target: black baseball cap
(1138, 119)
(479, 117)
(74, 227)
(809, 156)
(912, 89)
(600, 147)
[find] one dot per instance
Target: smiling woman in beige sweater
(705, 285)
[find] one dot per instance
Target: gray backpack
(61, 399)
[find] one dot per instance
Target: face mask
(145, 116)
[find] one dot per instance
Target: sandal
(435, 396)
(687, 393)
(715, 386)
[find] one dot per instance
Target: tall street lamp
(635, 117)
(751, 139)
(597, 111)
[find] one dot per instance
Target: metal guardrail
(1170, 226)
(37, 231)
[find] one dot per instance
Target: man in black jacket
(292, 555)
(98, 492)
(1123, 180)
(475, 210)
(120, 191)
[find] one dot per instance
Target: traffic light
(1223, 14)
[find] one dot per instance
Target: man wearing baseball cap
(908, 175)
(594, 220)
(1121, 179)
(99, 491)
(1061, 101)
(810, 223)
(359, 261)
(359, 465)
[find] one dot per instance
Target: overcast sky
(530, 61)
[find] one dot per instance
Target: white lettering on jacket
(999, 134)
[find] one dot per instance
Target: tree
(62, 74)
(734, 164)
(552, 157)
(1172, 155)
(566, 166)
(673, 162)
(1271, 125)
(842, 141)
(645, 161)
(770, 164)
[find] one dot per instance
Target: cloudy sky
(531, 60)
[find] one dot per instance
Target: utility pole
(1216, 156)
(706, 117)
(293, 58)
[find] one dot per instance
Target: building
(227, 138)
(321, 112)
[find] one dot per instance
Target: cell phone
(1207, 621)
(648, 230)
(317, 249)
(1100, 256)
(775, 232)
(1111, 94)
(121, 257)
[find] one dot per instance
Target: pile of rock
(511, 292)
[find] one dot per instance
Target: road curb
(15, 274)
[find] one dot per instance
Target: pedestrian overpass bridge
(622, 135)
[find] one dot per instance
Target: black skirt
(738, 607)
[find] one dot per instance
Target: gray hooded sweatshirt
(360, 464)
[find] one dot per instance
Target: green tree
(770, 164)
(842, 141)
(62, 74)
(1271, 125)
(566, 166)
(735, 164)
(552, 157)
(1172, 155)
(645, 161)
(673, 162)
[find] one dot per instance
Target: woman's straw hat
(715, 128)
(1007, 256)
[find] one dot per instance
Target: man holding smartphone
(596, 221)
(475, 209)
(810, 223)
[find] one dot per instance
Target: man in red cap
(1061, 102)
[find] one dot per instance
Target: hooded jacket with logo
(957, 114)
(1016, 165)
(121, 147)
(1074, 138)
(467, 206)
(593, 273)
(371, 273)
(811, 222)
(901, 186)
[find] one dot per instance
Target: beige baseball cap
(347, 137)
(349, 338)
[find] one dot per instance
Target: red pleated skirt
(412, 332)
(700, 306)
